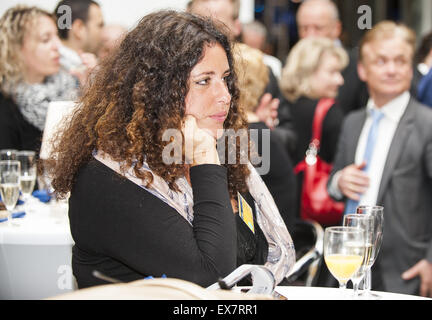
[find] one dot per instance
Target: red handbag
(316, 203)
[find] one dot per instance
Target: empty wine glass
(378, 213)
(344, 250)
(9, 184)
(365, 222)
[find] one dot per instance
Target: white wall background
(128, 12)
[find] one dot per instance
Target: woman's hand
(200, 145)
(353, 181)
(422, 269)
(267, 110)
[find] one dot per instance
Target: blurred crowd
(385, 74)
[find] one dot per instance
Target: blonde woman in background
(29, 76)
(313, 71)
(253, 76)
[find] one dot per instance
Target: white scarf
(281, 254)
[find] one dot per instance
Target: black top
(127, 233)
(303, 111)
(285, 129)
(15, 131)
(280, 179)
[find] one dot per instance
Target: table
(35, 256)
(321, 293)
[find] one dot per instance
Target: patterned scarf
(33, 99)
(281, 255)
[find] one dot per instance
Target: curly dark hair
(138, 92)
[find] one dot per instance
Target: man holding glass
(384, 157)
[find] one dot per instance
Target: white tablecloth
(320, 293)
(35, 256)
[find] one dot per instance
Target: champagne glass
(365, 222)
(344, 251)
(378, 213)
(28, 173)
(9, 184)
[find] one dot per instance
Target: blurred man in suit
(384, 157)
(320, 18)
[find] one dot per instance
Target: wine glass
(378, 213)
(365, 222)
(344, 250)
(28, 173)
(9, 184)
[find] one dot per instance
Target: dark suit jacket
(405, 192)
(353, 94)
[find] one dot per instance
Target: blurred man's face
(222, 10)
(253, 39)
(317, 21)
(111, 38)
(94, 27)
(386, 66)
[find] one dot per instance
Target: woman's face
(208, 98)
(40, 50)
(327, 79)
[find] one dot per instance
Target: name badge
(245, 212)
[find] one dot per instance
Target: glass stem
(342, 290)
(368, 281)
(9, 218)
(26, 199)
(355, 288)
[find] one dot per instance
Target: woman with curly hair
(30, 76)
(135, 209)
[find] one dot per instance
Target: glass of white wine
(28, 173)
(365, 222)
(378, 213)
(9, 184)
(344, 251)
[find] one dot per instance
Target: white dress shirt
(392, 111)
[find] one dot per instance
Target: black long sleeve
(127, 233)
(15, 131)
